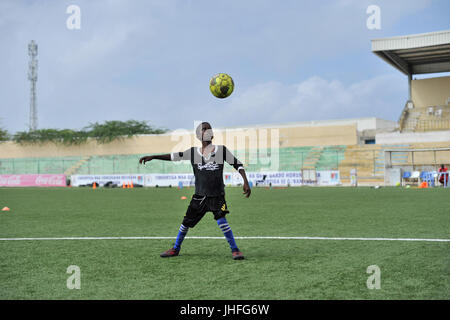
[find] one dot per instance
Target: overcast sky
(291, 60)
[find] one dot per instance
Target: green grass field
(273, 268)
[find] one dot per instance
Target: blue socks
(223, 225)
(180, 237)
(226, 229)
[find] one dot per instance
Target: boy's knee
(189, 223)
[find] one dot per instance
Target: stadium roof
(417, 53)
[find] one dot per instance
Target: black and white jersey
(208, 171)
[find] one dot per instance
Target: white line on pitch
(238, 237)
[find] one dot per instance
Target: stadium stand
(54, 165)
(312, 157)
(363, 159)
(418, 142)
(290, 159)
(330, 158)
(368, 160)
(432, 118)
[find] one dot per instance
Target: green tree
(4, 135)
(112, 130)
(103, 133)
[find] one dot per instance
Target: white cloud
(98, 46)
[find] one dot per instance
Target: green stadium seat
(290, 159)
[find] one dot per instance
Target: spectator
(443, 175)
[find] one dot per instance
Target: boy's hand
(247, 190)
(143, 160)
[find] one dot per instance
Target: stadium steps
(289, 159)
(361, 158)
(126, 164)
(411, 121)
(73, 169)
(313, 158)
(330, 158)
(369, 160)
(6, 166)
(293, 158)
(54, 165)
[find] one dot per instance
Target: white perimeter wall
(361, 124)
(412, 137)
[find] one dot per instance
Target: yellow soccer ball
(221, 85)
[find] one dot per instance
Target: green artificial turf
(273, 268)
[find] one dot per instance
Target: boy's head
(204, 132)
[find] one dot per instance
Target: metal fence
(292, 160)
(427, 125)
(35, 166)
(368, 162)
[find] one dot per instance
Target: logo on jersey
(224, 207)
(211, 166)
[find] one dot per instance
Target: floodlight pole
(32, 76)
(409, 87)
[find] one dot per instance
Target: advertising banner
(32, 180)
(102, 179)
(282, 178)
(169, 179)
(328, 178)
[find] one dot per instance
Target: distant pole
(409, 87)
(32, 76)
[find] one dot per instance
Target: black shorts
(200, 205)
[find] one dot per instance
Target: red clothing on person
(442, 176)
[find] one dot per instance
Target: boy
(207, 163)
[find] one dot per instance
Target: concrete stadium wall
(430, 92)
(318, 136)
(179, 140)
(134, 145)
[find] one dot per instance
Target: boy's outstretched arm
(165, 157)
(235, 163)
(177, 156)
(246, 187)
